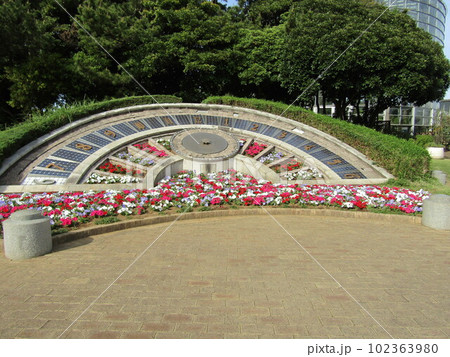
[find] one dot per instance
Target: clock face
(204, 144)
(136, 143)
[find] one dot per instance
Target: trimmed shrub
(404, 159)
(424, 140)
(12, 139)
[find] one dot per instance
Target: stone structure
(70, 154)
(440, 175)
(27, 234)
(436, 212)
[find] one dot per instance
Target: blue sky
(447, 34)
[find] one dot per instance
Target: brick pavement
(236, 277)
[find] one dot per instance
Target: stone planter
(435, 152)
(436, 212)
(27, 234)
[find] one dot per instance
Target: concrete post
(440, 175)
(436, 212)
(26, 234)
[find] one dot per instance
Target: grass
(38, 124)
(442, 165)
(430, 184)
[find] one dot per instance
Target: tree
(259, 62)
(35, 56)
(390, 62)
(265, 13)
(186, 48)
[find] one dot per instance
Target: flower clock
(186, 190)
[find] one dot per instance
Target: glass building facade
(430, 16)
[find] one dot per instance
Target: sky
(447, 33)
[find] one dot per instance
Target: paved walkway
(236, 277)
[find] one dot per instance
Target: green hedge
(12, 139)
(402, 158)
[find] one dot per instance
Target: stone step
(264, 152)
(127, 164)
(281, 161)
(158, 146)
(141, 153)
(245, 146)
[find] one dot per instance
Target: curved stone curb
(113, 227)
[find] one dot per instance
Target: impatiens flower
(189, 190)
(151, 149)
(255, 149)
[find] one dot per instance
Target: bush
(424, 140)
(402, 158)
(12, 139)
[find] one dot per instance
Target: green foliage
(429, 184)
(400, 157)
(424, 140)
(270, 49)
(107, 220)
(394, 61)
(259, 64)
(205, 208)
(57, 231)
(185, 209)
(12, 139)
(441, 129)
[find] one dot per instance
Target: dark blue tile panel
(110, 133)
(126, 129)
(51, 173)
(271, 131)
(95, 139)
(210, 120)
(70, 155)
(257, 127)
(168, 120)
(184, 119)
(139, 125)
(351, 175)
(226, 121)
(297, 141)
(153, 122)
(83, 147)
(55, 164)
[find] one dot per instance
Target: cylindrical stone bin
(440, 175)
(27, 234)
(436, 212)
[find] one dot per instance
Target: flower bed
(304, 174)
(151, 149)
(101, 179)
(119, 169)
(136, 160)
(290, 166)
(271, 157)
(165, 143)
(187, 190)
(254, 149)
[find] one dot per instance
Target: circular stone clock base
(204, 144)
